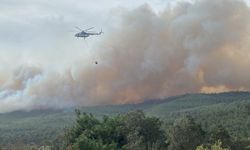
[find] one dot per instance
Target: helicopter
(84, 33)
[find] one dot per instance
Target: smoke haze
(202, 46)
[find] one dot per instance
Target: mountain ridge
(40, 126)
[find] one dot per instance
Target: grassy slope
(230, 109)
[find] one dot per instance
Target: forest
(135, 131)
(185, 122)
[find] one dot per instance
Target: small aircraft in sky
(86, 33)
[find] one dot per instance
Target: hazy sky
(150, 49)
(41, 31)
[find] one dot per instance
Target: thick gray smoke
(192, 47)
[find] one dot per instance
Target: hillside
(41, 126)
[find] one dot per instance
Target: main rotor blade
(78, 28)
(92, 32)
(88, 29)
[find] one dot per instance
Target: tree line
(136, 131)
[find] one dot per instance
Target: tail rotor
(101, 32)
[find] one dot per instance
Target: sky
(150, 49)
(41, 31)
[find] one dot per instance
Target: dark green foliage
(151, 133)
(112, 130)
(219, 133)
(83, 142)
(147, 130)
(247, 108)
(130, 131)
(185, 134)
(85, 123)
(134, 142)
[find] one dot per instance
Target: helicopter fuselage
(82, 34)
(85, 34)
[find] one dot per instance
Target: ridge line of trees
(136, 131)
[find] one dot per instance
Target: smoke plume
(202, 46)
